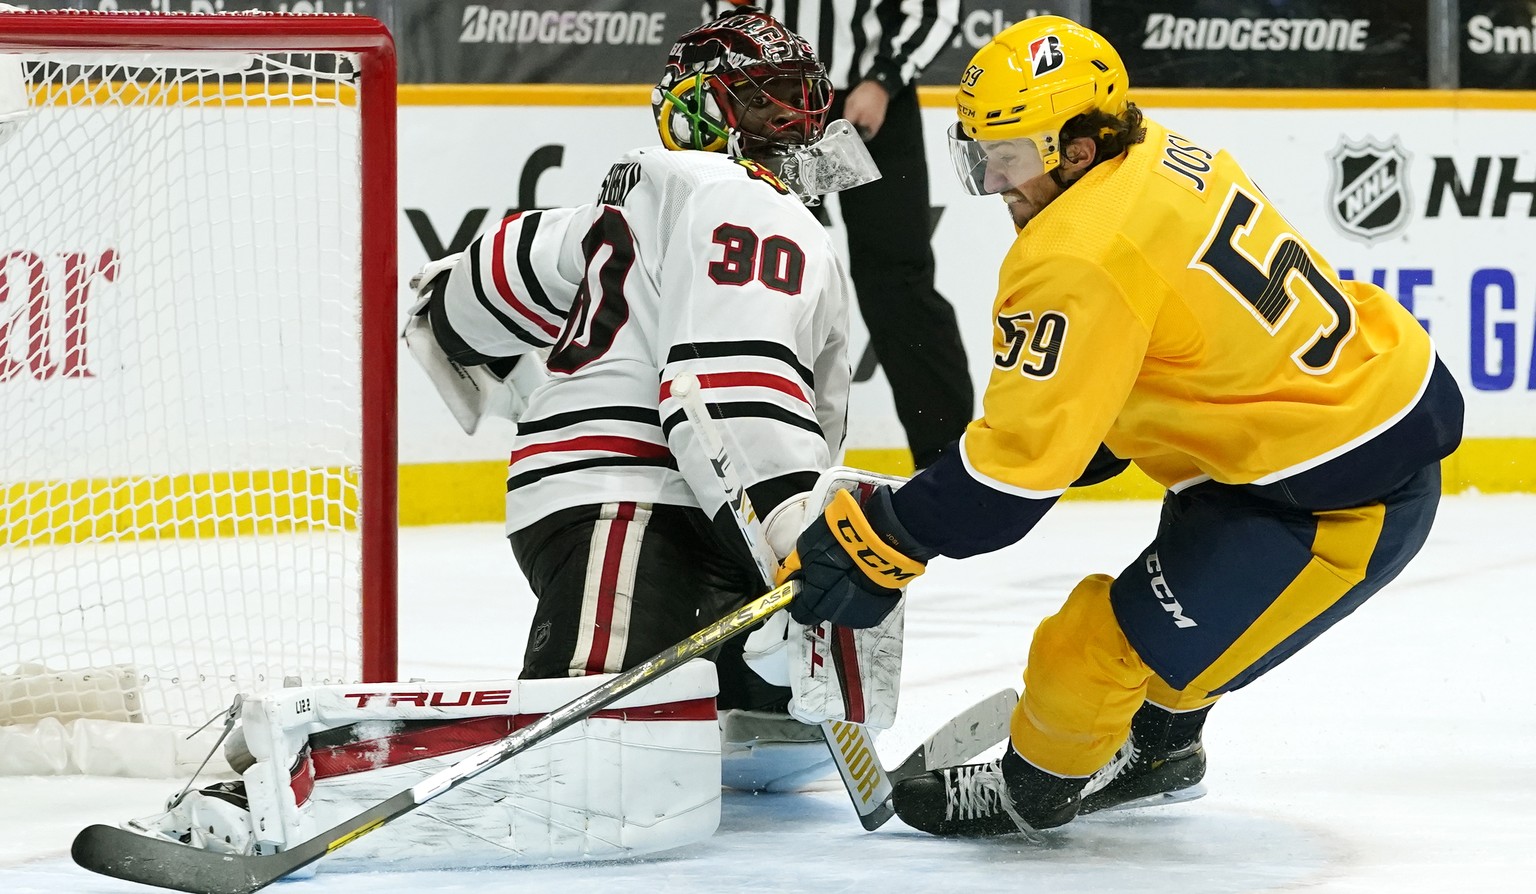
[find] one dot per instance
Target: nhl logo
(1370, 189)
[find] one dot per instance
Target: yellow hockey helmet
(1021, 87)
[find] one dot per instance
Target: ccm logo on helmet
(1045, 54)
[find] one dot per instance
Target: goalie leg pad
(834, 672)
(638, 777)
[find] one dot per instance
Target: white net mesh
(180, 378)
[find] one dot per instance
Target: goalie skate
(763, 751)
(216, 818)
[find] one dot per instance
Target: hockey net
(197, 303)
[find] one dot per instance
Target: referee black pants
(911, 327)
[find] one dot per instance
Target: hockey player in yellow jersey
(1154, 308)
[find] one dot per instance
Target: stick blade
(132, 857)
(971, 732)
(877, 817)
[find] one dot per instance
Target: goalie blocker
(638, 777)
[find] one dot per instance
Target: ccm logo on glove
(897, 568)
(852, 562)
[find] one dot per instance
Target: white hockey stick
(852, 747)
(968, 734)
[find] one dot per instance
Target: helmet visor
(837, 161)
(987, 167)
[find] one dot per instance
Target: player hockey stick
(852, 747)
(965, 736)
(167, 864)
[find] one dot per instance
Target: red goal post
(198, 303)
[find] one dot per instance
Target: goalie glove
(472, 392)
(853, 561)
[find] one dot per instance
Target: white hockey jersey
(689, 262)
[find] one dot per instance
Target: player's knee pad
(1083, 684)
(638, 777)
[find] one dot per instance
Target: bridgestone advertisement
(1250, 43)
(606, 41)
(552, 41)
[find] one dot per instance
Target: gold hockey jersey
(1164, 307)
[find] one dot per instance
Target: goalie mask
(747, 85)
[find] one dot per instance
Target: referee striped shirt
(886, 41)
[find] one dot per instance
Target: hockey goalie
(641, 776)
(699, 257)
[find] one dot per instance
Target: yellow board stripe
(455, 493)
(639, 95)
(634, 96)
(1485, 465)
(228, 503)
(1169, 98)
(203, 504)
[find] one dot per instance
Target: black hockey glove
(853, 562)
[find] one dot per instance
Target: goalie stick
(167, 864)
(853, 748)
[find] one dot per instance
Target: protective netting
(180, 380)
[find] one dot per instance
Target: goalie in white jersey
(699, 262)
(699, 257)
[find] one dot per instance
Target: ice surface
(1392, 755)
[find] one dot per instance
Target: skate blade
(1161, 799)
